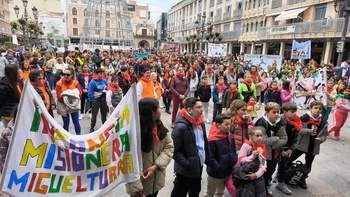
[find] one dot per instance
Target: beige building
(143, 27)
(259, 26)
(76, 10)
(5, 28)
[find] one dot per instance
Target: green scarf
(341, 96)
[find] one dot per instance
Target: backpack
(296, 173)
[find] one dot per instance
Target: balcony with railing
(327, 28)
(293, 4)
(237, 13)
(218, 18)
(230, 35)
(227, 15)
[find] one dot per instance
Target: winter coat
(227, 100)
(240, 133)
(216, 96)
(97, 90)
(193, 83)
(305, 139)
(187, 161)
(245, 93)
(179, 85)
(292, 134)
(342, 105)
(331, 97)
(161, 156)
(210, 77)
(123, 84)
(8, 99)
(81, 80)
(272, 97)
(62, 85)
(270, 139)
(255, 188)
(222, 155)
(166, 86)
(204, 93)
(71, 102)
(285, 96)
(47, 88)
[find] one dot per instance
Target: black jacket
(204, 93)
(8, 99)
(272, 97)
(123, 84)
(187, 161)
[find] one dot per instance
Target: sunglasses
(65, 74)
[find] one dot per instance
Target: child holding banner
(157, 150)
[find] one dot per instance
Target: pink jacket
(285, 96)
(243, 158)
(342, 105)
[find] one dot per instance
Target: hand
(53, 107)
(181, 96)
(219, 101)
(149, 171)
(248, 118)
(255, 153)
(311, 131)
(85, 90)
(284, 154)
(251, 176)
(318, 140)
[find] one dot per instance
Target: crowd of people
(88, 82)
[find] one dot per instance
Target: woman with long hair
(192, 78)
(167, 95)
(84, 79)
(240, 120)
(257, 81)
(10, 91)
(157, 150)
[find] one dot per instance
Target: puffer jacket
(187, 161)
(8, 99)
(255, 188)
(240, 133)
(161, 156)
(222, 155)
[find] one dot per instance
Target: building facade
(5, 28)
(76, 10)
(259, 26)
(143, 27)
(162, 28)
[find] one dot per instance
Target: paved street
(329, 177)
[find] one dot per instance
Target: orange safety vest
(148, 89)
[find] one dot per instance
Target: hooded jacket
(222, 153)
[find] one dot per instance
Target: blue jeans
(325, 113)
(75, 118)
(51, 79)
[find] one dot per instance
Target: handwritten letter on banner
(217, 50)
(46, 160)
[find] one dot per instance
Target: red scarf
(296, 122)
(240, 121)
(204, 85)
(249, 85)
(274, 90)
(208, 71)
(251, 104)
(133, 76)
(85, 74)
(219, 73)
(198, 122)
(113, 88)
(191, 75)
(180, 74)
(195, 66)
(126, 78)
(216, 134)
(313, 122)
(155, 133)
(259, 147)
(329, 90)
(221, 88)
(232, 91)
(167, 74)
(254, 75)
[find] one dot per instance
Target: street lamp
(202, 29)
(340, 45)
(25, 17)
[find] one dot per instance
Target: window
(320, 11)
(97, 32)
(246, 27)
(238, 26)
(108, 24)
(211, 13)
(250, 4)
(218, 28)
(219, 2)
(75, 31)
(108, 15)
(75, 21)
(211, 3)
(190, 10)
(239, 5)
(97, 23)
(276, 4)
(261, 24)
(108, 34)
(227, 27)
(256, 26)
(74, 11)
(251, 26)
(85, 12)
(96, 13)
(144, 32)
(228, 8)
(254, 3)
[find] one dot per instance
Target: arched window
(85, 12)
(108, 14)
(96, 13)
(74, 11)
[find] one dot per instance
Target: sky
(156, 7)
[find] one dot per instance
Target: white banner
(46, 160)
(307, 90)
(217, 50)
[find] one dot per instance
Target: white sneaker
(207, 121)
(90, 115)
(283, 187)
(81, 116)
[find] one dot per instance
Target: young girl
(331, 93)
(273, 94)
(286, 93)
(193, 81)
(252, 107)
(266, 82)
(341, 111)
(231, 94)
(254, 152)
(247, 88)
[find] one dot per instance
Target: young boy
(341, 111)
(274, 137)
(273, 94)
(230, 95)
(218, 94)
(204, 94)
(114, 94)
(223, 155)
(292, 124)
(331, 93)
(97, 97)
(309, 139)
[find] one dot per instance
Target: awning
(274, 14)
(290, 14)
